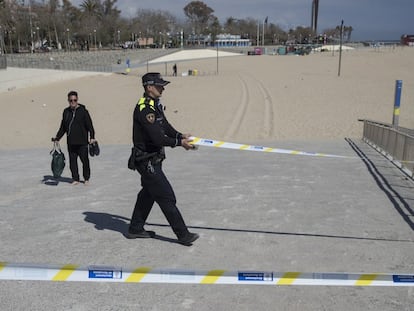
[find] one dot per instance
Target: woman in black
(77, 124)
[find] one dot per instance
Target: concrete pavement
(253, 211)
(13, 78)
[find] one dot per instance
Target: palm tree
(90, 18)
(91, 7)
(349, 32)
(53, 17)
(110, 22)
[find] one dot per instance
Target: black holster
(138, 156)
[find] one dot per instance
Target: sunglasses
(72, 100)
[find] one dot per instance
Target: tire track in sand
(262, 101)
(268, 118)
(240, 112)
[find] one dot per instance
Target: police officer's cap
(153, 78)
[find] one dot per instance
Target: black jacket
(76, 124)
(151, 129)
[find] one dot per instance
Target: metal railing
(99, 61)
(3, 62)
(397, 143)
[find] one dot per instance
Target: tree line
(30, 25)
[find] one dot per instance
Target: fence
(3, 62)
(396, 143)
(100, 61)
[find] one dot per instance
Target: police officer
(151, 132)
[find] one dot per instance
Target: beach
(251, 98)
(259, 214)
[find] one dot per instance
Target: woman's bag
(58, 160)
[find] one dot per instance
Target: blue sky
(371, 19)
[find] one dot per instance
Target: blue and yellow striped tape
(228, 145)
(66, 273)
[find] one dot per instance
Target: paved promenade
(19, 78)
(14, 78)
(253, 211)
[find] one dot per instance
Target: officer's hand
(186, 136)
(185, 143)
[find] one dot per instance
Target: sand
(253, 211)
(250, 99)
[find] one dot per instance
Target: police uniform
(151, 133)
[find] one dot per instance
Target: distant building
(407, 40)
(199, 40)
(221, 40)
(228, 40)
(145, 41)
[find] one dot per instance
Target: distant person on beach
(77, 124)
(151, 133)
(175, 70)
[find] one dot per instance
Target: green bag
(58, 160)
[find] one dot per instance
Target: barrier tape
(228, 145)
(67, 273)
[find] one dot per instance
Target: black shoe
(132, 234)
(91, 151)
(188, 239)
(94, 149)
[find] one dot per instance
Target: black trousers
(156, 188)
(80, 151)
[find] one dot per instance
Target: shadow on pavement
(49, 180)
(289, 233)
(105, 221)
(399, 200)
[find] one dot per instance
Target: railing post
(396, 115)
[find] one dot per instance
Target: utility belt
(138, 157)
